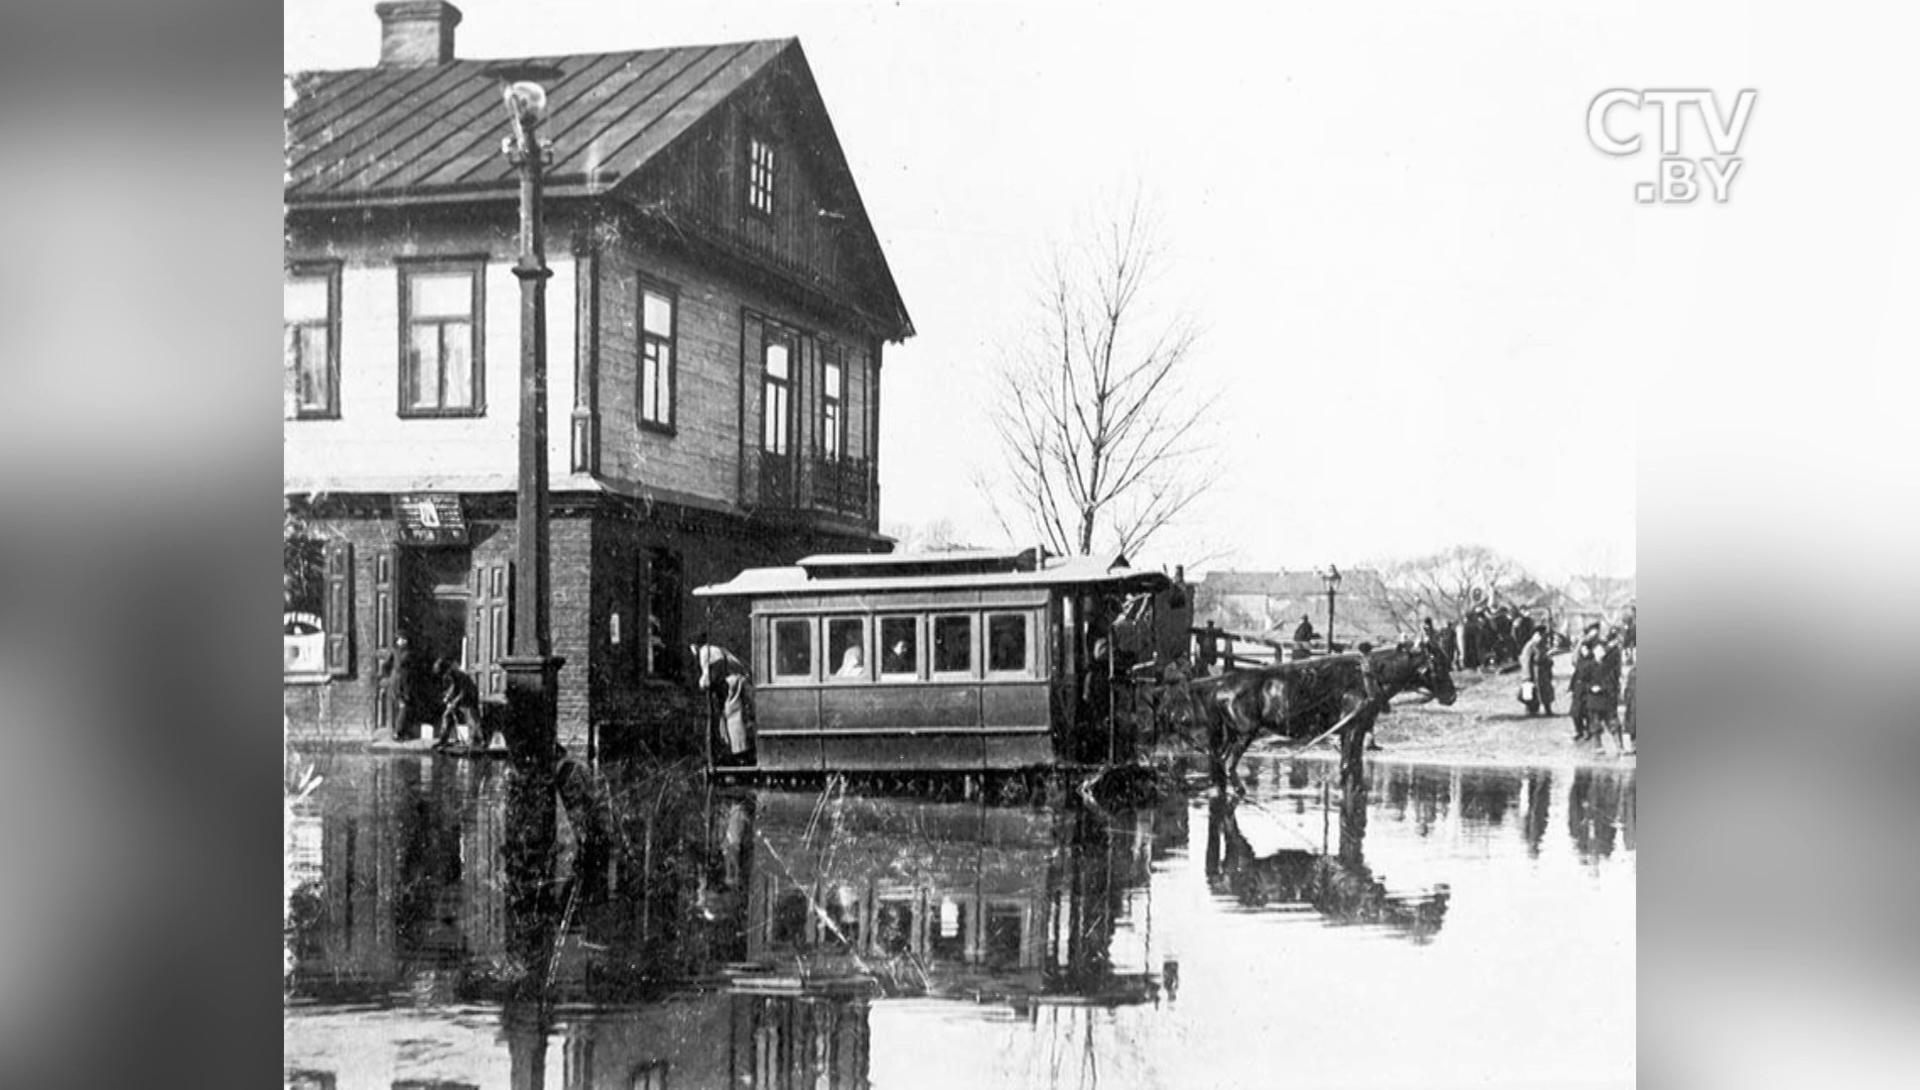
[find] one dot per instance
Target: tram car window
(899, 647)
(847, 648)
(1007, 643)
(953, 644)
(792, 650)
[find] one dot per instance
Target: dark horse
(1300, 701)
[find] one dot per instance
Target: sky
(1436, 311)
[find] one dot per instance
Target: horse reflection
(1340, 886)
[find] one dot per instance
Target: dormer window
(761, 170)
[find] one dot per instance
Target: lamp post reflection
(720, 933)
(532, 926)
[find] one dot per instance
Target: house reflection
(724, 939)
(406, 897)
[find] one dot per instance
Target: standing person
(1209, 653)
(1628, 719)
(1303, 632)
(1603, 699)
(1096, 688)
(1523, 626)
(1580, 687)
(1473, 633)
(397, 672)
(1502, 625)
(1450, 644)
(723, 677)
(1537, 660)
(459, 706)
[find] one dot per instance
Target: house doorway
(435, 606)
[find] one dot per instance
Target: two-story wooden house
(716, 320)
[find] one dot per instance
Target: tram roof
(867, 573)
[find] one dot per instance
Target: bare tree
(1446, 584)
(1096, 410)
(934, 536)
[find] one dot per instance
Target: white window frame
(933, 648)
(1025, 670)
(805, 624)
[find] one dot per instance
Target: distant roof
(1286, 584)
(867, 573)
(428, 132)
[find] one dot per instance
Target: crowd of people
(1602, 687)
(1602, 684)
(1485, 638)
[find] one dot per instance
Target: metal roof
(433, 132)
(1066, 571)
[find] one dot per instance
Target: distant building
(1589, 598)
(1271, 603)
(716, 321)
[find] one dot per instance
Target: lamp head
(526, 103)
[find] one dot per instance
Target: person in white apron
(723, 677)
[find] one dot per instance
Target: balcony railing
(843, 486)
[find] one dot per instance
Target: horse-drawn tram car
(969, 662)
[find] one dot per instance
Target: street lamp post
(532, 670)
(1332, 578)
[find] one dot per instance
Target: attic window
(760, 175)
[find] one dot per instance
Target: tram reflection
(728, 938)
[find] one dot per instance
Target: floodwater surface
(1445, 927)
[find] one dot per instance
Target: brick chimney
(416, 32)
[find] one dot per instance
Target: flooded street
(1448, 927)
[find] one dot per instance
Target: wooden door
(386, 624)
(490, 627)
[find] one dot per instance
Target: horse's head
(1438, 672)
(1430, 669)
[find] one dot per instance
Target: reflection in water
(1538, 788)
(731, 938)
(1600, 810)
(656, 932)
(1338, 886)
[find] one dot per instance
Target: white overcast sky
(1439, 312)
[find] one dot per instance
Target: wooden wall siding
(699, 187)
(714, 452)
(701, 457)
(703, 185)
